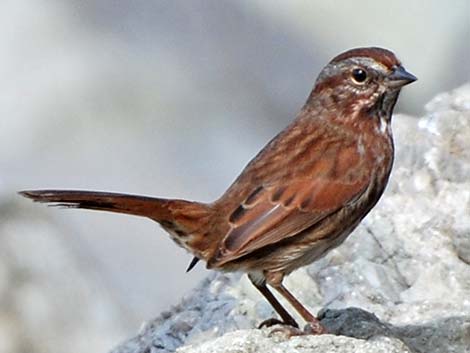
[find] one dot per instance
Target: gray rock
(408, 263)
(260, 342)
(438, 336)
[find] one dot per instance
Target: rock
(260, 342)
(408, 263)
(438, 336)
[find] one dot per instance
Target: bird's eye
(359, 75)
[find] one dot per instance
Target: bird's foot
(273, 321)
(312, 328)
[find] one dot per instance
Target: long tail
(154, 208)
(182, 219)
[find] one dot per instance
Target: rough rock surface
(258, 341)
(408, 263)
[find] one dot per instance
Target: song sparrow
(301, 196)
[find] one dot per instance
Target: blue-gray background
(167, 98)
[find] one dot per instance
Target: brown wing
(279, 210)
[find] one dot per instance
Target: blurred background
(164, 98)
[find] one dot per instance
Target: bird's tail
(182, 219)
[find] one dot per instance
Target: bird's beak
(400, 77)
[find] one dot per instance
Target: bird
(299, 197)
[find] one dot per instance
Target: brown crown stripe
(383, 56)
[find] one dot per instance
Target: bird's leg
(314, 325)
(287, 319)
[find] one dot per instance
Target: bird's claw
(314, 328)
(311, 328)
(273, 321)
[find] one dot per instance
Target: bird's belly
(316, 249)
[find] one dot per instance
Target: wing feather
(276, 211)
